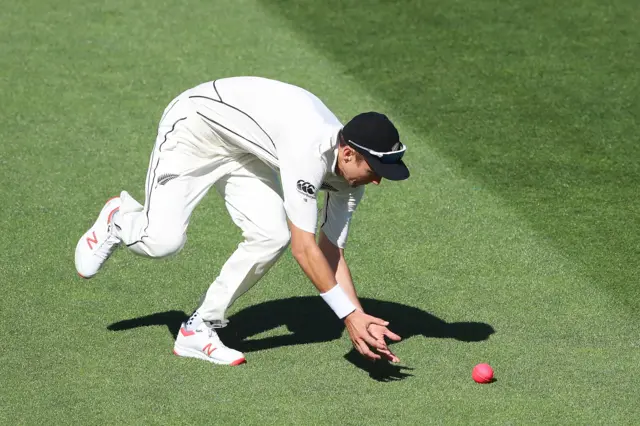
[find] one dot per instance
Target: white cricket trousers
(188, 158)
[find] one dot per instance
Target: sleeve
(301, 177)
(337, 212)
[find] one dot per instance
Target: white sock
(194, 321)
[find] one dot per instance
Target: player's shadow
(308, 320)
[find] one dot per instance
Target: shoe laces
(111, 243)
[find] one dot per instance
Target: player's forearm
(313, 262)
(315, 265)
(343, 276)
(338, 264)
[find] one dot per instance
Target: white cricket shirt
(293, 131)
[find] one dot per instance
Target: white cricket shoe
(203, 343)
(97, 244)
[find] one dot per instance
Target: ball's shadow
(310, 321)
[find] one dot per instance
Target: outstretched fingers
(386, 353)
(362, 347)
(391, 335)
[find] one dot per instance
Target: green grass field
(516, 241)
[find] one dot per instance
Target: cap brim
(391, 171)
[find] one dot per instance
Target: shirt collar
(334, 149)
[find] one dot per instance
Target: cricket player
(268, 148)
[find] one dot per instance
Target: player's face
(356, 170)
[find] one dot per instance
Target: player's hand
(380, 332)
(358, 323)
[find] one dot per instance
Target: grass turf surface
(520, 217)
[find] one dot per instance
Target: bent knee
(281, 239)
(164, 245)
(275, 241)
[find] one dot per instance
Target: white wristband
(338, 300)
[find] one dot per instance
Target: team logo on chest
(306, 188)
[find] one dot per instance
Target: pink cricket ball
(482, 373)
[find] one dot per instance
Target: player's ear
(348, 153)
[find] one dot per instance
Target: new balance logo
(93, 240)
(209, 349)
(306, 188)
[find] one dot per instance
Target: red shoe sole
(234, 363)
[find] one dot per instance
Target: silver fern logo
(163, 179)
